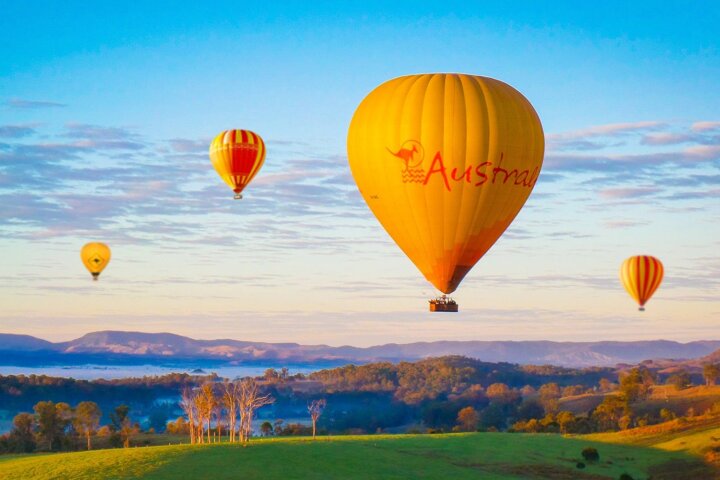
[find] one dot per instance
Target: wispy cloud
(32, 104)
(625, 193)
(705, 126)
(613, 129)
(16, 131)
(623, 224)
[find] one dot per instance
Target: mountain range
(133, 347)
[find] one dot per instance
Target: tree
(501, 393)
(565, 421)
(278, 426)
(188, 402)
(666, 414)
(572, 390)
(231, 399)
(635, 384)
(266, 428)
(493, 417)
(121, 424)
(316, 408)
(52, 420)
(468, 419)
(550, 397)
(609, 412)
(179, 427)
(530, 409)
(250, 399)
(87, 419)
(681, 380)
(206, 404)
(711, 373)
(606, 385)
(21, 438)
(527, 391)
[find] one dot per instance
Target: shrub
(580, 465)
(625, 476)
(590, 454)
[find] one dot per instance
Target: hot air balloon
(641, 276)
(95, 256)
(237, 155)
(445, 162)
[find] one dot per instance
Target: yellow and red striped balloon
(641, 276)
(237, 156)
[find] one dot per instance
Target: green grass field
(456, 456)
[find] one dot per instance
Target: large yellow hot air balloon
(641, 276)
(445, 162)
(95, 256)
(237, 155)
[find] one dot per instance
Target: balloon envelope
(237, 156)
(641, 275)
(445, 162)
(95, 256)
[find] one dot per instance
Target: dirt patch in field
(683, 470)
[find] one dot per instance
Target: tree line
(59, 427)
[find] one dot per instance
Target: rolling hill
(493, 456)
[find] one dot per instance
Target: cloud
(92, 178)
(698, 194)
(16, 131)
(622, 224)
(666, 138)
(184, 145)
(32, 104)
(632, 164)
(609, 130)
(628, 193)
(705, 126)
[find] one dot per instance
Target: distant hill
(127, 346)
(9, 341)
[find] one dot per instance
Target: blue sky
(106, 114)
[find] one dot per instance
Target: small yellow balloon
(95, 256)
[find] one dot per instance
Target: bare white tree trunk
(316, 408)
(250, 400)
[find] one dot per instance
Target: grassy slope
(694, 435)
(458, 456)
(698, 436)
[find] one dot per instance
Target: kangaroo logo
(411, 153)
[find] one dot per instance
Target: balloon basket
(238, 196)
(443, 304)
(641, 309)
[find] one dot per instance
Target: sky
(107, 112)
